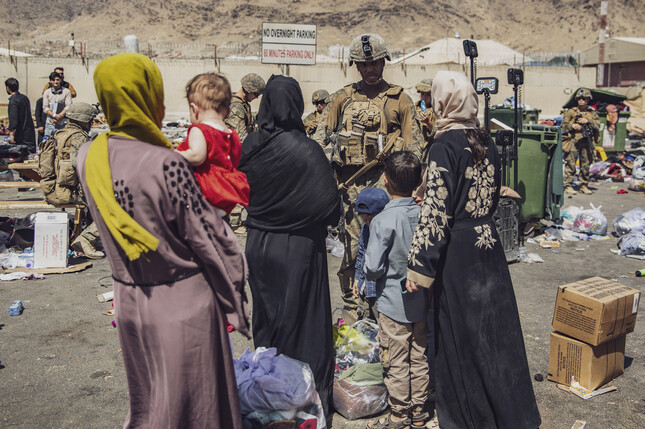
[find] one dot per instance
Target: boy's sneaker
(569, 190)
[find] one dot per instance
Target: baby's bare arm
(197, 148)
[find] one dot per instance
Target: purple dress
(172, 304)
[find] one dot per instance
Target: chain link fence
(241, 50)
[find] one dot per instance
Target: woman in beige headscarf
(457, 253)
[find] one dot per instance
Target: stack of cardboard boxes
(592, 318)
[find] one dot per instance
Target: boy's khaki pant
(402, 352)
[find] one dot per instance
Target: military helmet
(253, 83)
(318, 96)
(583, 93)
(82, 112)
(368, 47)
(424, 86)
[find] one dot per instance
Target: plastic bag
(632, 244)
(591, 221)
(639, 161)
(638, 173)
(355, 402)
(356, 344)
(333, 244)
(359, 337)
(632, 220)
(268, 382)
(634, 184)
(598, 167)
(571, 212)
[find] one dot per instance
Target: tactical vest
(363, 129)
(59, 181)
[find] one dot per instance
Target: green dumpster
(540, 177)
(505, 115)
(613, 141)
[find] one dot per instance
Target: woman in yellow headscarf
(178, 269)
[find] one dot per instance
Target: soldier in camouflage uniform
(318, 98)
(57, 167)
(580, 133)
(366, 121)
(241, 118)
(425, 119)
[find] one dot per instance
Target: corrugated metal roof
(638, 40)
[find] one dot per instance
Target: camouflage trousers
(236, 218)
(586, 158)
(91, 234)
(351, 231)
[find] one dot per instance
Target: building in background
(624, 60)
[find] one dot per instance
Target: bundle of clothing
(274, 388)
(359, 389)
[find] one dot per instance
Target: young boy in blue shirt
(401, 315)
(369, 203)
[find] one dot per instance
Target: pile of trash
(359, 389)
(626, 168)
(576, 224)
(630, 227)
(276, 388)
(176, 131)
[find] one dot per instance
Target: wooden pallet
(30, 204)
(19, 185)
(27, 169)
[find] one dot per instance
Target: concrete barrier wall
(546, 88)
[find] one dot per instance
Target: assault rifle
(589, 133)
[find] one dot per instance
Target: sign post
(288, 43)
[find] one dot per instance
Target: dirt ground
(61, 366)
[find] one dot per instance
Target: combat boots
(585, 190)
(569, 190)
(83, 245)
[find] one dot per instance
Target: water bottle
(25, 260)
(580, 236)
(423, 106)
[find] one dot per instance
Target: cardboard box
(595, 310)
(591, 366)
(51, 240)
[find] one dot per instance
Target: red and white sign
(275, 53)
(288, 43)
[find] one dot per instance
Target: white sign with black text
(288, 43)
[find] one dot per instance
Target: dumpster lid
(597, 95)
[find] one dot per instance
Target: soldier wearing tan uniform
(580, 133)
(319, 100)
(366, 121)
(241, 118)
(57, 167)
(425, 115)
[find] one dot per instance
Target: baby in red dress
(211, 147)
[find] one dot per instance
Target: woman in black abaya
(293, 199)
(481, 371)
